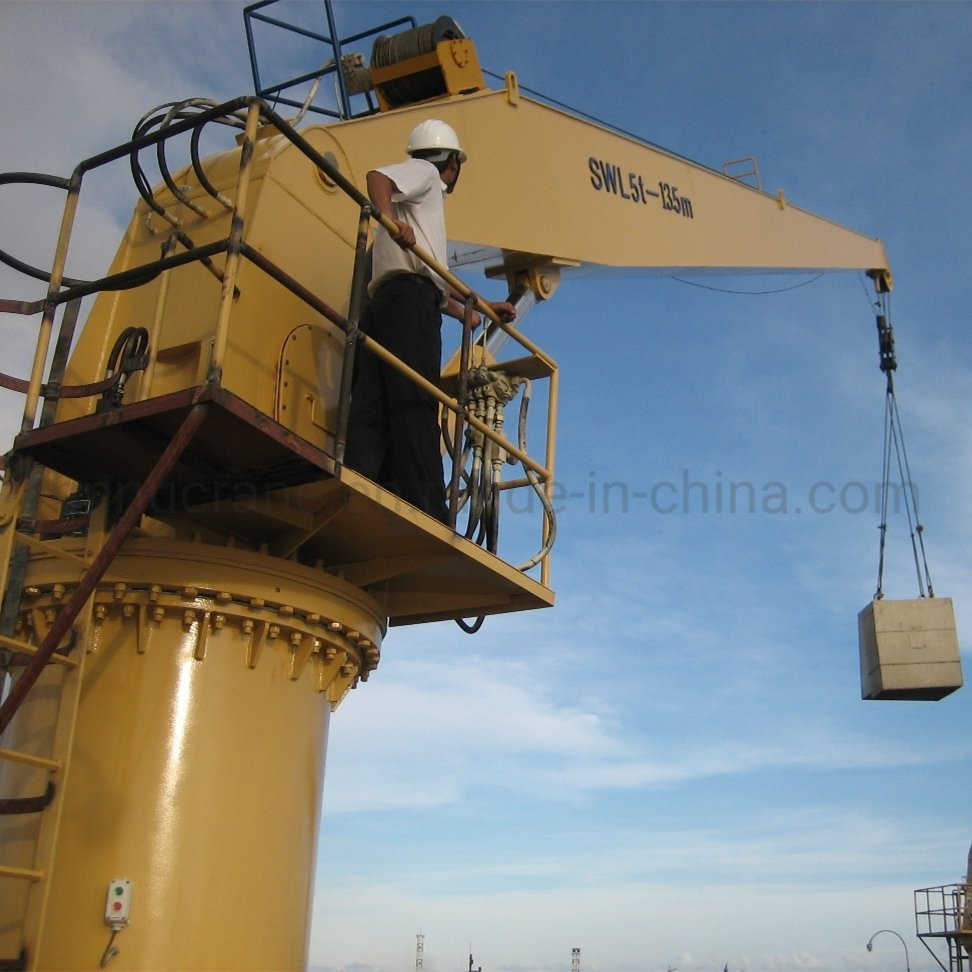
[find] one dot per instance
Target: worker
(393, 426)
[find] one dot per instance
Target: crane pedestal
(192, 735)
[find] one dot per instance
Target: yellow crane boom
(542, 183)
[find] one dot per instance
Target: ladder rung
(17, 757)
(21, 872)
(23, 648)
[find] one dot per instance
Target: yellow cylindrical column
(198, 756)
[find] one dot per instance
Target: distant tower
(419, 951)
(575, 960)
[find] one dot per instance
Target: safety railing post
(47, 321)
(359, 281)
(462, 395)
(148, 375)
(231, 268)
(550, 461)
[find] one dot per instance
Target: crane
(194, 580)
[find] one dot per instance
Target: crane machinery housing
(193, 578)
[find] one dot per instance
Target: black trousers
(393, 427)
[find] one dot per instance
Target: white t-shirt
(419, 198)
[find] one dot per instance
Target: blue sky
(673, 767)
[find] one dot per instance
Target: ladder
(33, 770)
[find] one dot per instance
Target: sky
(673, 767)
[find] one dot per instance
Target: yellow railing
(61, 290)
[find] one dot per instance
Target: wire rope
(749, 293)
(895, 454)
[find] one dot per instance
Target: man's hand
(504, 310)
(405, 236)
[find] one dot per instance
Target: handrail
(343, 96)
(390, 359)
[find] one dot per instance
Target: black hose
(470, 628)
(128, 354)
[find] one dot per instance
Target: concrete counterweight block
(909, 649)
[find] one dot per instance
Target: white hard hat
(434, 135)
